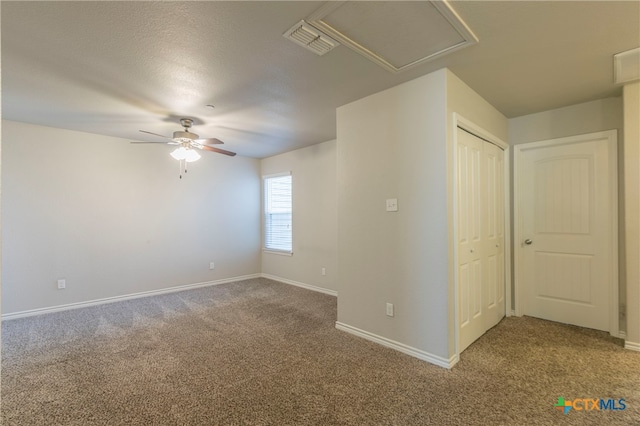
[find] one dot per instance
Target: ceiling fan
(188, 144)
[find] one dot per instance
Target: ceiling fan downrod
(186, 123)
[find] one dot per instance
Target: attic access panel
(396, 35)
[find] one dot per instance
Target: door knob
(528, 242)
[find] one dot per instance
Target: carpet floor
(259, 352)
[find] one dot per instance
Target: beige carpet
(263, 353)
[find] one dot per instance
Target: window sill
(278, 252)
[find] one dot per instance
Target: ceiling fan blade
(155, 134)
(165, 143)
(208, 141)
(218, 150)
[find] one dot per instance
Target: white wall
(588, 117)
(314, 216)
(113, 218)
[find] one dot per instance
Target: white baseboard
(59, 308)
(633, 346)
(299, 284)
(400, 347)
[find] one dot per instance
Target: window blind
(278, 213)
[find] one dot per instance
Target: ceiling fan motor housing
(185, 135)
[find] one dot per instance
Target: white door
(566, 215)
(493, 235)
(480, 192)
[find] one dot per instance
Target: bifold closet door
(480, 192)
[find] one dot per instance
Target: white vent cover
(310, 38)
(627, 66)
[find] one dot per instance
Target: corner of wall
(468, 106)
(631, 100)
(314, 261)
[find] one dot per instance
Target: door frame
(612, 146)
(469, 126)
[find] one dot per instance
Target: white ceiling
(114, 68)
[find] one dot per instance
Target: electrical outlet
(212, 265)
(392, 205)
(389, 309)
(323, 272)
(62, 284)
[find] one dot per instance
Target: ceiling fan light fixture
(186, 154)
(179, 153)
(191, 156)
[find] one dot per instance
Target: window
(278, 213)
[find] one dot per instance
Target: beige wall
(113, 218)
(314, 216)
(464, 102)
(588, 117)
(631, 148)
(393, 145)
(397, 144)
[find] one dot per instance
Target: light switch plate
(392, 205)
(389, 309)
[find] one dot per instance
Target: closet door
(493, 235)
(480, 233)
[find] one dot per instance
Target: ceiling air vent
(307, 36)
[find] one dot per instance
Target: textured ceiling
(114, 68)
